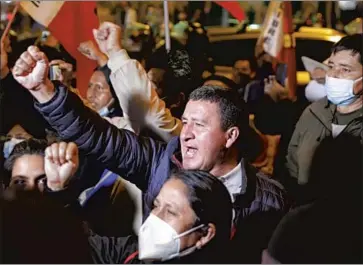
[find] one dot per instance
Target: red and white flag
(233, 7)
(71, 22)
(272, 34)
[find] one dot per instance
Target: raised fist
(61, 163)
(31, 69)
(108, 38)
(90, 50)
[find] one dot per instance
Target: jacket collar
(324, 111)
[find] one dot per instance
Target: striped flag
(71, 22)
(272, 34)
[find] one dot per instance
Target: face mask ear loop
(189, 231)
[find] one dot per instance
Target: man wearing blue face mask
(338, 113)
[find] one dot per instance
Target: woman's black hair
(31, 146)
(210, 201)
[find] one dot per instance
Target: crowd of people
(161, 163)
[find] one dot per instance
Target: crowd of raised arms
(160, 164)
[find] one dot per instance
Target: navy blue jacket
(143, 161)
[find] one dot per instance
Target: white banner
(42, 12)
(272, 35)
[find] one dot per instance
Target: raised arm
(121, 151)
(136, 94)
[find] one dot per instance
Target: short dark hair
(351, 43)
(210, 201)
(251, 61)
(233, 110)
(28, 147)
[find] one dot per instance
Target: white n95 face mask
(340, 91)
(315, 91)
(159, 241)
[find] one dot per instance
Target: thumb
(95, 34)
(72, 152)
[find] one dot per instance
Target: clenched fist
(108, 38)
(31, 69)
(61, 163)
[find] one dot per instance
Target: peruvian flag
(234, 8)
(71, 22)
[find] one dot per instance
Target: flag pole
(8, 26)
(289, 52)
(166, 26)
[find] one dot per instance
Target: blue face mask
(103, 112)
(340, 92)
(9, 146)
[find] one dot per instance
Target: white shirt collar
(236, 180)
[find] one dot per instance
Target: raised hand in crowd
(66, 74)
(108, 38)
(274, 89)
(61, 163)
(92, 52)
(31, 71)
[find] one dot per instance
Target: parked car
(227, 47)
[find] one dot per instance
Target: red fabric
(131, 257)
(234, 8)
(72, 25)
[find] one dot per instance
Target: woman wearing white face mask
(190, 223)
(338, 113)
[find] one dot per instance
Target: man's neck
(352, 107)
(223, 169)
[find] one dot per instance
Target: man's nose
(187, 132)
(333, 72)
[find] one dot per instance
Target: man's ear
(209, 234)
(232, 135)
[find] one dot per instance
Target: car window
(226, 52)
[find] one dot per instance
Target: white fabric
(271, 36)
(42, 12)
(138, 99)
(315, 91)
(337, 129)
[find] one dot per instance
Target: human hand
(61, 163)
(31, 69)
(92, 52)
(273, 88)
(66, 70)
(108, 38)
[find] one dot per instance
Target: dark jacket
(124, 250)
(314, 125)
(143, 161)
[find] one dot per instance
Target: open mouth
(190, 152)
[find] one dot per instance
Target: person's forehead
(202, 107)
(98, 76)
(242, 63)
(29, 165)
(345, 57)
(174, 192)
